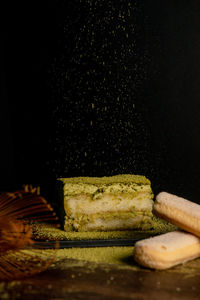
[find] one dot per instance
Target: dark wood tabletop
(72, 279)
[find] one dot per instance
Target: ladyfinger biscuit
(178, 211)
(167, 250)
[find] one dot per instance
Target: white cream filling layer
(113, 224)
(83, 204)
(103, 223)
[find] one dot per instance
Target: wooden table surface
(71, 279)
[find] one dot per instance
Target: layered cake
(121, 202)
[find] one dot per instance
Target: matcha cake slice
(121, 202)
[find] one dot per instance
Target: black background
(163, 143)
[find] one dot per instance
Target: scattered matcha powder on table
(111, 255)
(50, 232)
(119, 256)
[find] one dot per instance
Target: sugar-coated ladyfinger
(167, 250)
(178, 211)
